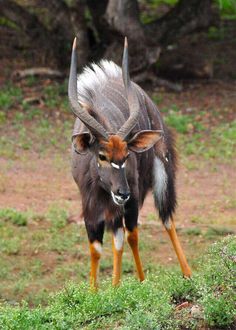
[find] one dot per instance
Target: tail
(164, 191)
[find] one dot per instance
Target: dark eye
(102, 157)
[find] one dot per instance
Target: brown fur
(115, 149)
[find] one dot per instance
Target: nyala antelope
(120, 150)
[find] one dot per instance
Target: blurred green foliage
(14, 216)
(150, 305)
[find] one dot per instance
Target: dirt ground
(37, 183)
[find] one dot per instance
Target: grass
(201, 140)
(57, 216)
(183, 123)
(39, 256)
(37, 129)
(34, 127)
(150, 305)
(13, 216)
(219, 143)
(9, 96)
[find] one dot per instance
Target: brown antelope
(120, 150)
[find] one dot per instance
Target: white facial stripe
(117, 166)
(98, 247)
(119, 239)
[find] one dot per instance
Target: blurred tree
(101, 26)
(50, 26)
(186, 17)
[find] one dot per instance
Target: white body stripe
(119, 239)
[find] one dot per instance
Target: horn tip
(126, 42)
(74, 43)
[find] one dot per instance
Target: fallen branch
(37, 72)
(33, 100)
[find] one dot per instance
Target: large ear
(144, 140)
(82, 142)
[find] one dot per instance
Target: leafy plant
(134, 305)
(10, 95)
(57, 216)
(14, 216)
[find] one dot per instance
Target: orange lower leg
(95, 253)
(178, 249)
(132, 239)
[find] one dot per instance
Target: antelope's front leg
(131, 223)
(117, 246)
(95, 235)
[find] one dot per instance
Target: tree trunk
(186, 17)
(123, 17)
(55, 37)
(30, 25)
(78, 22)
(147, 40)
(65, 23)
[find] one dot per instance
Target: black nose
(123, 194)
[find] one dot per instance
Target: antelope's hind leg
(170, 228)
(95, 236)
(131, 224)
(117, 247)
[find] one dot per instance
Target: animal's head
(112, 150)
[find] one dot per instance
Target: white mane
(95, 77)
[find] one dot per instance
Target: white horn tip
(74, 44)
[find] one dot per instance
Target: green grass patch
(56, 96)
(9, 96)
(213, 232)
(57, 216)
(42, 135)
(219, 143)
(14, 216)
(149, 305)
(183, 123)
(193, 231)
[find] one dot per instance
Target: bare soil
(37, 183)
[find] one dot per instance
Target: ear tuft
(144, 140)
(82, 142)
